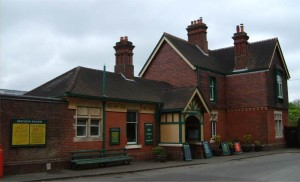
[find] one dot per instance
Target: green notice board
(187, 152)
(206, 149)
(148, 133)
(114, 136)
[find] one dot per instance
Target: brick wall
(246, 90)
(118, 120)
(205, 89)
(60, 134)
(168, 66)
(247, 121)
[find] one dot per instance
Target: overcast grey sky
(41, 39)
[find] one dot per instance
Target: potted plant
(247, 143)
(231, 147)
(216, 145)
(159, 153)
(257, 146)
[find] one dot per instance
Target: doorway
(192, 129)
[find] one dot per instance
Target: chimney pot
(197, 34)
(124, 57)
(237, 29)
(242, 27)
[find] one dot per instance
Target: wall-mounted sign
(27, 132)
(225, 148)
(206, 149)
(148, 133)
(114, 136)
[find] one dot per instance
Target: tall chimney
(124, 58)
(197, 34)
(241, 47)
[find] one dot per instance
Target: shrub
(159, 150)
(247, 139)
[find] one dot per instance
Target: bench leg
(73, 166)
(126, 161)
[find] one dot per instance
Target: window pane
(279, 86)
(81, 127)
(131, 117)
(131, 132)
(131, 127)
(94, 131)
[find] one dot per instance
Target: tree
(294, 112)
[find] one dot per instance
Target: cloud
(40, 40)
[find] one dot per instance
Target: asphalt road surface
(279, 167)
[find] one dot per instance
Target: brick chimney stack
(241, 47)
(124, 58)
(197, 34)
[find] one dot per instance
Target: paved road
(279, 167)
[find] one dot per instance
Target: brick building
(185, 93)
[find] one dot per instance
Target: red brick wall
(118, 120)
(168, 66)
(205, 89)
(60, 134)
(246, 90)
(247, 121)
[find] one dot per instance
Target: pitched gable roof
(86, 82)
(220, 60)
(178, 98)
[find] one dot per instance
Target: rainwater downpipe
(104, 106)
(198, 75)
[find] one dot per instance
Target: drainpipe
(198, 75)
(157, 118)
(103, 107)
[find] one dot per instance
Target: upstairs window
(279, 89)
(213, 88)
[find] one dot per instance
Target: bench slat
(102, 160)
(81, 157)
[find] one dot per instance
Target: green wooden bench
(82, 157)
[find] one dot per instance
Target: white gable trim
(179, 53)
(196, 92)
(277, 46)
(156, 50)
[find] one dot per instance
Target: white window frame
(278, 122)
(95, 126)
(212, 88)
(81, 126)
(136, 127)
(88, 114)
(279, 86)
(214, 119)
(213, 129)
